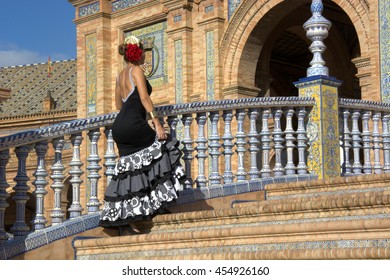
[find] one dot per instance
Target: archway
(271, 52)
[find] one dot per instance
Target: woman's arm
(140, 82)
(118, 97)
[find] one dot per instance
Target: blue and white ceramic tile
(36, 239)
(242, 187)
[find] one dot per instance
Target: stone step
(301, 225)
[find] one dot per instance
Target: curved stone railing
(364, 137)
(237, 143)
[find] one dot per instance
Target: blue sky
(33, 30)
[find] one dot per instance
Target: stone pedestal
(322, 128)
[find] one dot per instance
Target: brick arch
(252, 23)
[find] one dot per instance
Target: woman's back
(131, 131)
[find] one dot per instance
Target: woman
(148, 171)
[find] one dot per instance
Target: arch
(252, 23)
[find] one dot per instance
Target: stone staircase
(342, 218)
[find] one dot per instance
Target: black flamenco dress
(148, 173)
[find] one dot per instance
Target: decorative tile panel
(157, 57)
(209, 9)
(91, 73)
(179, 84)
(177, 18)
(210, 73)
(232, 6)
(322, 127)
(330, 121)
(89, 9)
(313, 130)
(384, 41)
(123, 4)
(179, 71)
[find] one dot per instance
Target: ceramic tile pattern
(322, 127)
(159, 57)
(91, 73)
(232, 6)
(89, 9)
(384, 16)
(123, 4)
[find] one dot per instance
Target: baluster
(200, 149)
(40, 183)
(356, 139)
(265, 144)
(377, 141)
(75, 209)
(240, 143)
(214, 145)
(4, 158)
(110, 155)
(278, 139)
(347, 167)
(386, 142)
(20, 227)
(289, 132)
(172, 122)
(366, 135)
(228, 146)
(302, 141)
(187, 149)
(57, 175)
(253, 143)
(93, 168)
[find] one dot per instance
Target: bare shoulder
(137, 70)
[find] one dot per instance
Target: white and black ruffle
(145, 183)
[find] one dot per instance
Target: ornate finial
(317, 30)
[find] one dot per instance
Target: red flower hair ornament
(133, 52)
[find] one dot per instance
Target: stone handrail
(78, 125)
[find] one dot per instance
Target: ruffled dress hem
(145, 183)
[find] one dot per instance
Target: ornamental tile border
(216, 191)
(123, 4)
(256, 185)
(327, 193)
(229, 189)
(91, 73)
(35, 240)
(210, 64)
(232, 6)
(384, 46)
(43, 237)
(90, 9)
(375, 243)
(242, 187)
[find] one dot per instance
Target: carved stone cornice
(363, 65)
(361, 62)
(171, 5)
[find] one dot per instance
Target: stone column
(322, 127)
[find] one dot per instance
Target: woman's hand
(161, 134)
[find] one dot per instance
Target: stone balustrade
(231, 140)
(364, 137)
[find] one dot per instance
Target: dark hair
(123, 48)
